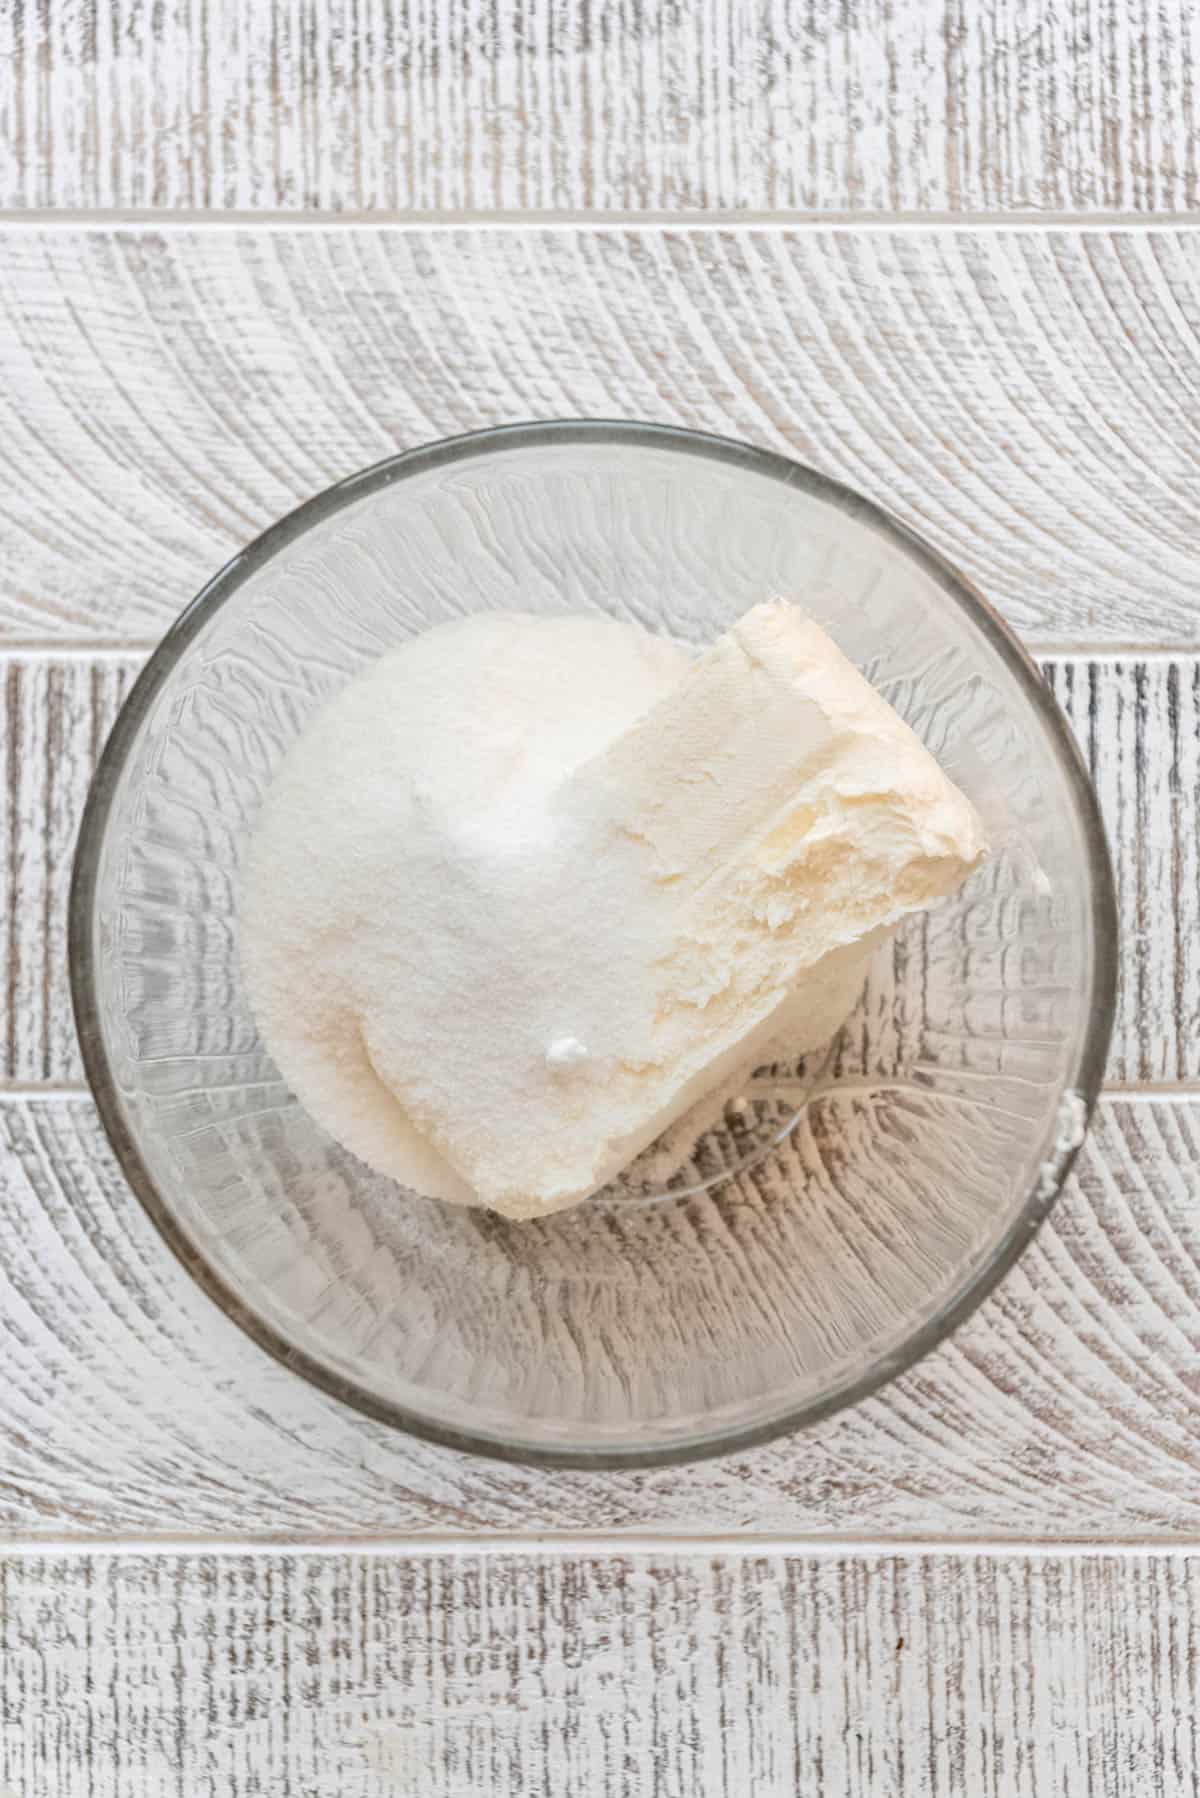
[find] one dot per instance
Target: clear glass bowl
(843, 1217)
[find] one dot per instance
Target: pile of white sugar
(530, 887)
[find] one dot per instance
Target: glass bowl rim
(83, 956)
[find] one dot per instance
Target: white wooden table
(942, 250)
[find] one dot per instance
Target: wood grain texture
(1023, 399)
(453, 104)
(57, 715)
(451, 1677)
(1137, 721)
(1138, 724)
(1067, 1405)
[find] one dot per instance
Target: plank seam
(102, 219)
(566, 1544)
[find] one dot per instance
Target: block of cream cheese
(530, 888)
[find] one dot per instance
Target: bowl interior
(929, 1141)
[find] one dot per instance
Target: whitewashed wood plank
(56, 716)
(1023, 399)
(1138, 723)
(886, 105)
(623, 1677)
(1066, 1406)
